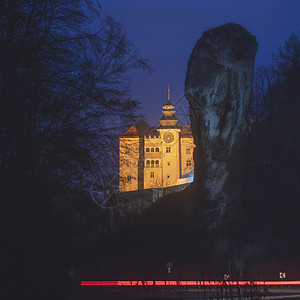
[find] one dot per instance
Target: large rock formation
(218, 86)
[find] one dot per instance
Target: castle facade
(156, 157)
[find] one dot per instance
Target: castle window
(147, 150)
(156, 149)
(128, 178)
(168, 175)
(168, 149)
(152, 163)
(157, 163)
(188, 150)
(168, 163)
(148, 163)
(152, 149)
(188, 163)
(151, 174)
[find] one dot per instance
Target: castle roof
(137, 130)
(152, 132)
(186, 131)
(168, 106)
(142, 128)
(168, 118)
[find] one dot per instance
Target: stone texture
(218, 87)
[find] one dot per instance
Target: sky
(165, 31)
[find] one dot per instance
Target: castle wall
(153, 162)
(170, 156)
(128, 164)
(187, 150)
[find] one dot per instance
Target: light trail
(184, 283)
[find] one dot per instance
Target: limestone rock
(218, 87)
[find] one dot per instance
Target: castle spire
(168, 118)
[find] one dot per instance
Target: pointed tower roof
(168, 111)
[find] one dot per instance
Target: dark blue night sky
(166, 31)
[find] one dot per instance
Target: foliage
(63, 93)
(273, 172)
(61, 85)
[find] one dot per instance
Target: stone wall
(138, 201)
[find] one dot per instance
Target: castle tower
(170, 140)
(155, 157)
(168, 118)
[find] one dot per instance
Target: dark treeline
(272, 195)
(63, 93)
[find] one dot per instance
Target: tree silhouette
(273, 173)
(64, 92)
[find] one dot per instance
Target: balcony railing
(153, 166)
(153, 155)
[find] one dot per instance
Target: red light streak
(184, 282)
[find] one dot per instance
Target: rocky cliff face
(218, 87)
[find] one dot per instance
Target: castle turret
(168, 118)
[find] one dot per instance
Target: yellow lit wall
(187, 150)
(152, 163)
(159, 166)
(128, 164)
(170, 157)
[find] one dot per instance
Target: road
(184, 292)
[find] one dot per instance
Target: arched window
(148, 163)
(156, 149)
(157, 163)
(152, 149)
(147, 150)
(152, 163)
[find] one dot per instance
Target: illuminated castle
(156, 157)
